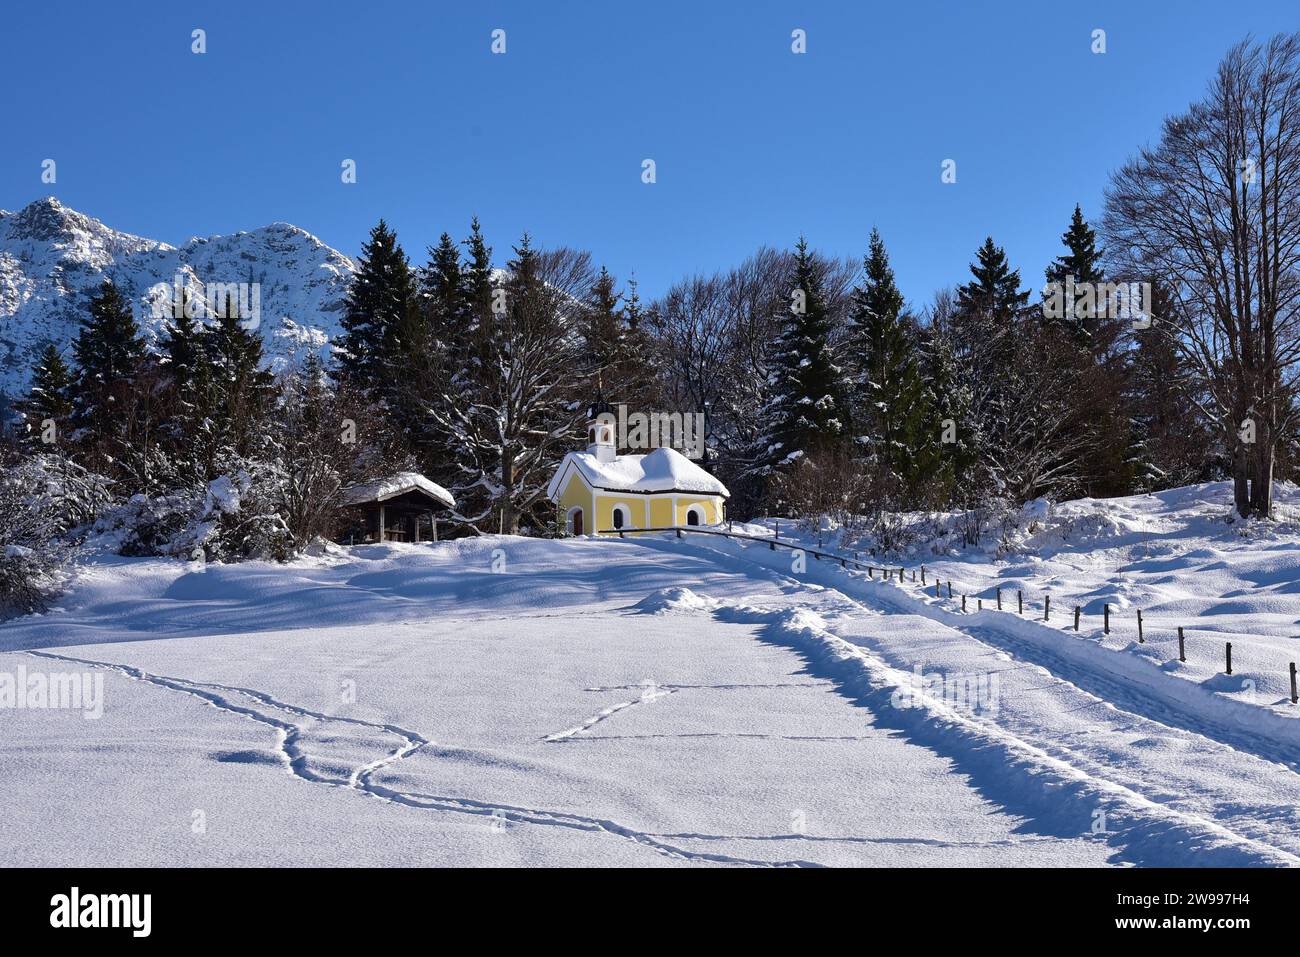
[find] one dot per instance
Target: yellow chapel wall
(576, 493)
(711, 505)
(637, 505)
(661, 512)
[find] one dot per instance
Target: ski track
(362, 779)
(1107, 692)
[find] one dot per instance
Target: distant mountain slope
(53, 258)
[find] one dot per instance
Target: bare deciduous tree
(1214, 210)
(511, 428)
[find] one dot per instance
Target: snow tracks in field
(308, 758)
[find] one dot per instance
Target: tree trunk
(1240, 478)
(509, 521)
(1261, 492)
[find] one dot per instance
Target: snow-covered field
(666, 701)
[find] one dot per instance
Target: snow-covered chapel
(599, 491)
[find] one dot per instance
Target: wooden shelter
(393, 509)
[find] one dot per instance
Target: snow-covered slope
(53, 258)
(658, 700)
(1178, 555)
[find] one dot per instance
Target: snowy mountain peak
(45, 220)
(53, 258)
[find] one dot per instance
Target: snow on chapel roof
(394, 485)
(663, 470)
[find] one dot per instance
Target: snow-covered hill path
(1125, 751)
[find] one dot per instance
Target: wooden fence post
(1020, 602)
(1105, 618)
(1140, 638)
(1077, 611)
(1228, 651)
(1182, 649)
(949, 587)
(979, 604)
(1294, 696)
(963, 602)
(922, 574)
(1047, 607)
(999, 599)
(936, 589)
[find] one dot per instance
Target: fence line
(887, 572)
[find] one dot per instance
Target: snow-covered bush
(153, 524)
(29, 577)
(829, 486)
(939, 533)
(57, 493)
(41, 498)
(242, 518)
(234, 517)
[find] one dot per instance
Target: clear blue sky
(753, 143)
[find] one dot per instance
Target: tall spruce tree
(109, 352)
(637, 378)
(1082, 263)
(1082, 260)
(242, 392)
(476, 277)
(439, 374)
(443, 299)
(1089, 340)
(185, 363)
(378, 323)
(890, 413)
(988, 342)
(618, 353)
(987, 308)
(603, 332)
(49, 398)
(807, 413)
(950, 444)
